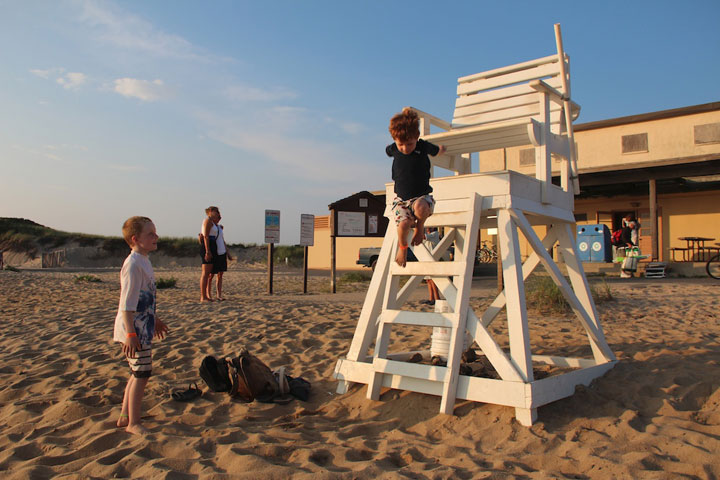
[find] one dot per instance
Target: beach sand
(656, 414)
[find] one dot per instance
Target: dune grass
(169, 282)
(541, 293)
(25, 236)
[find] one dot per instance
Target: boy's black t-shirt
(411, 173)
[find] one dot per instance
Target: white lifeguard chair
(523, 104)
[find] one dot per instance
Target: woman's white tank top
(217, 232)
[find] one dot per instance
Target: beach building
(661, 167)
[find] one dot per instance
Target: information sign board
(272, 226)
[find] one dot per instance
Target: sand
(655, 415)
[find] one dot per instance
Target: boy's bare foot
(401, 257)
(137, 429)
(123, 420)
(206, 299)
(418, 237)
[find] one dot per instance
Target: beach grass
(541, 293)
(25, 236)
(87, 278)
(169, 282)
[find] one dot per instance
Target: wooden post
(305, 269)
(500, 282)
(332, 264)
(333, 227)
(654, 220)
(564, 78)
(271, 248)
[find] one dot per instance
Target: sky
(162, 108)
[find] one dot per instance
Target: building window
(581, 217)
(527, 157)
(708, 133)
(635, 143)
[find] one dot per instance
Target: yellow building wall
(346, 250)
(601, 148)
(668, 139)
(679, 215)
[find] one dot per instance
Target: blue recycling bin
(593, 243)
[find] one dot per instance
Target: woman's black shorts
(219, 262)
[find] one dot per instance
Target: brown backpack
(251, 378)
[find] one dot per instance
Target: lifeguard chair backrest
(505, 94)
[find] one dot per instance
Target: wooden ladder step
(432, 269)
(422, 319)
(414, 370)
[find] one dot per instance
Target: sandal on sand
(187, 395)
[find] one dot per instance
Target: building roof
(645, 117)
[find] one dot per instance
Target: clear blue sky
(161, 108)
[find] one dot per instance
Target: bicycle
(713, 267)
(486, 254)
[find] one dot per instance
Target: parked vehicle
(368, 256)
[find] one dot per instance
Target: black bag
(215, 373)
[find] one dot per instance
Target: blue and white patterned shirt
(137, 294)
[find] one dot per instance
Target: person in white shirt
(214, 254)
(136, 322)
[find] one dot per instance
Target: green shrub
(166, 282)
(10, 268)
(87, 279)
(179, 247)
(294, 254)
(543, 294)
(601, 292)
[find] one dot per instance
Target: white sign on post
(351, 224)
(307, 230)
(272, 226)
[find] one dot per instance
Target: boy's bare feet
(206, 299)
(123, 420)
(401, 257)
(137, 429)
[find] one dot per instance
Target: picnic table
(695, 249)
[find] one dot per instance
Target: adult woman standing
(214, 254)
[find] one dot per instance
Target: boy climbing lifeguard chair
(524, 104)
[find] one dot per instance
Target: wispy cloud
(247, 93)
(72, 80)
(64, 154)
(352, 128)
(69, 80)
(127, 31)
(293, 148)
(145, 90)
(45, 73)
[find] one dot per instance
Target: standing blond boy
(413, 203)
(136, 323)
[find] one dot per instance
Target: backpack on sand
(215, 373)
(245, 377)
(252, 379)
